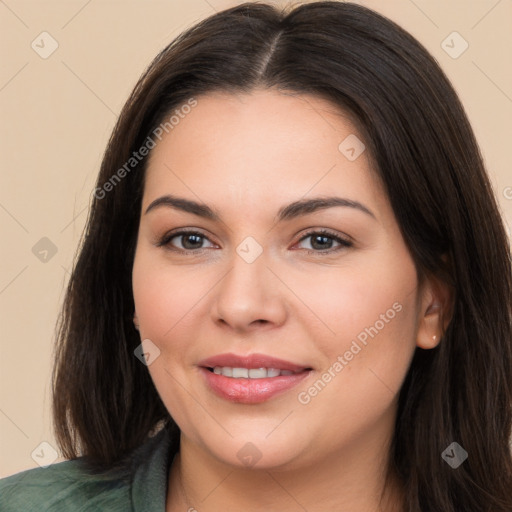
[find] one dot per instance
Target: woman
(294, 288)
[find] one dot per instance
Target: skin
(246, 156)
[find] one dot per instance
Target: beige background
(56, 116)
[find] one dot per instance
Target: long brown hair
(424, 150)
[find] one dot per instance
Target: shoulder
(72, 486)
(66, 486)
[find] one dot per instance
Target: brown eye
(185, 241)
(323, 241)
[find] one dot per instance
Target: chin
(258, 453)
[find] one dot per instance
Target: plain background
(57, 114)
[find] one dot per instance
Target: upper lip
(251, 361)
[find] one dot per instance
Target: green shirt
(141, 486)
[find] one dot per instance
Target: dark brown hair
(424, 150)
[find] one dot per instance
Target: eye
(320, 241)
(185, 241)
(323, 241)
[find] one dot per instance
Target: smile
(249, 373)
(251, 379)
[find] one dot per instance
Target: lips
(252, 361)
(250, 379)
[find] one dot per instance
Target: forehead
(257, 148)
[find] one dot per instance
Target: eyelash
(165, 242)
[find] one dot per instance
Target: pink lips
(250, 391)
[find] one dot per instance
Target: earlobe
(435, 314)
(135, 321)
(430, 328)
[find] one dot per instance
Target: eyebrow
(288, 212)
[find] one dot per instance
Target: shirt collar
(151, 464)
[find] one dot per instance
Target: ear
(136, 321)
(435, 312)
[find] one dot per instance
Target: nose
(249, 297)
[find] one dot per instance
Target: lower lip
(251, 391)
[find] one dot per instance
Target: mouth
(251, 379)
(250, 373)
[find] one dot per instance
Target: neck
(352, 480)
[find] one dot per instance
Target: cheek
(167, 300)
(368, 324)
(373, 314)
(165, 295)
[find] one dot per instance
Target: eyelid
(344, 241)
(164, 241)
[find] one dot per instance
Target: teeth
(253, 373)
(239, 372)
(257, 373)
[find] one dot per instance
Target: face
(263, 274)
